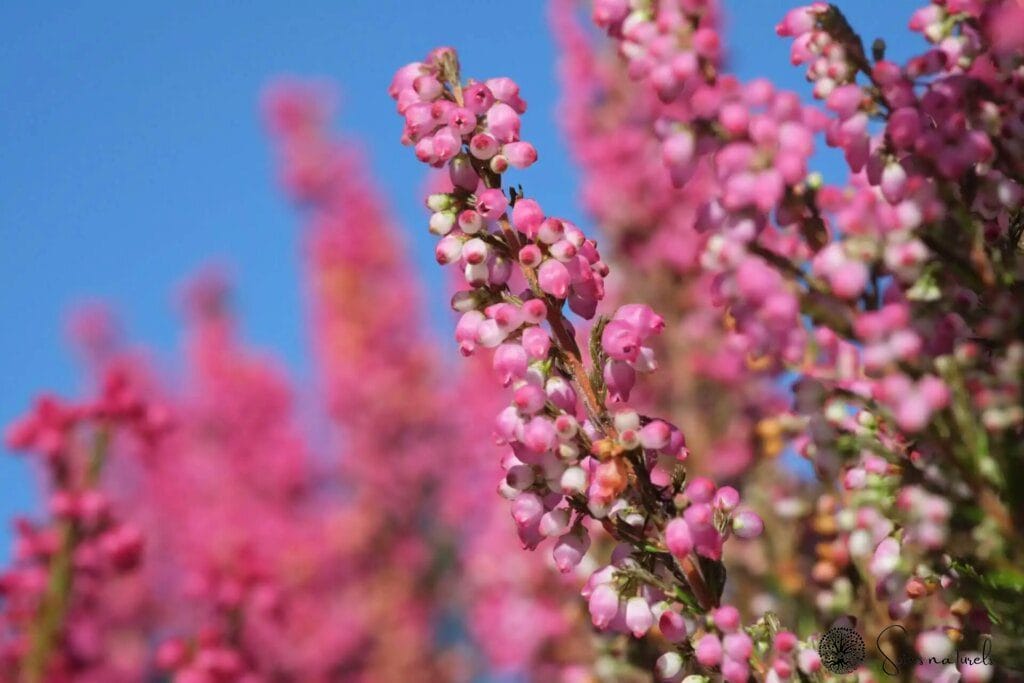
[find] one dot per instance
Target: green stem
(53, 609)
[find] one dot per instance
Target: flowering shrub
(739, 309)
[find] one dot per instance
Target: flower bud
(448, 250)
(483, 146)
(785, 642)
(885, 559)
(503, 122)
(470, 222)
(499, 270)
(700, 490)
(462, 120)
(440, 201)
(654, 435)
(519, 154)
(491, 203)
(738, 646)
(527, 509)
(563, 250)
(475, 251)
(566, 425)
(678, 538)
(603, 605)
(476, 274)
(555, 522)
(498, 164)
(442, 222)
(489, 334)
(527, 216)
(510, 361)
(570, 549)
(530, 256)
(747, 524)
(534, 311)
(519, 477)
(550, 230)
(539, 434)
(574, 480)
(447, 144)
(727, 618)
(619, 377)
(708, 650)
(477, 97)
(669, 667)
(808, 661)
(678, 149)
(620, 341)
(466, 330)
(561, 394)
(638, 616)
(726, 499)
(462, 173)
(554, 278)
(672, 626)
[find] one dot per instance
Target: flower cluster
(578, 452)
(868, 329)
(54, 623)
(876, 295)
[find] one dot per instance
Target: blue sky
(132, 153)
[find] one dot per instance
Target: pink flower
(845, 100)
(527, 509)
(727, 619)
(885, 559)
(639, 618)
(672, 626)
(510, 361)
(536, 342)
(491, 204)
(539, 434)
(700, 490)
(520, 154)
(678, 538)
(747, 524)
(462, 120)
(484, 146)
(527, 217)
(619, 377)
(798, 21)
(620, 341)
(478, 98)
(738, 646)
(669, 667)
(554, 278)
(641, 318)
(503, 122)
(604, 605)
(708, 650)
(726, 499)
(849, 279)
(570, 549)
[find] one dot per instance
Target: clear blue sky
(132, 152)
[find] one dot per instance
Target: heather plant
(888, 298)
(769, 431)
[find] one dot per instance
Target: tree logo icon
(841, 650)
